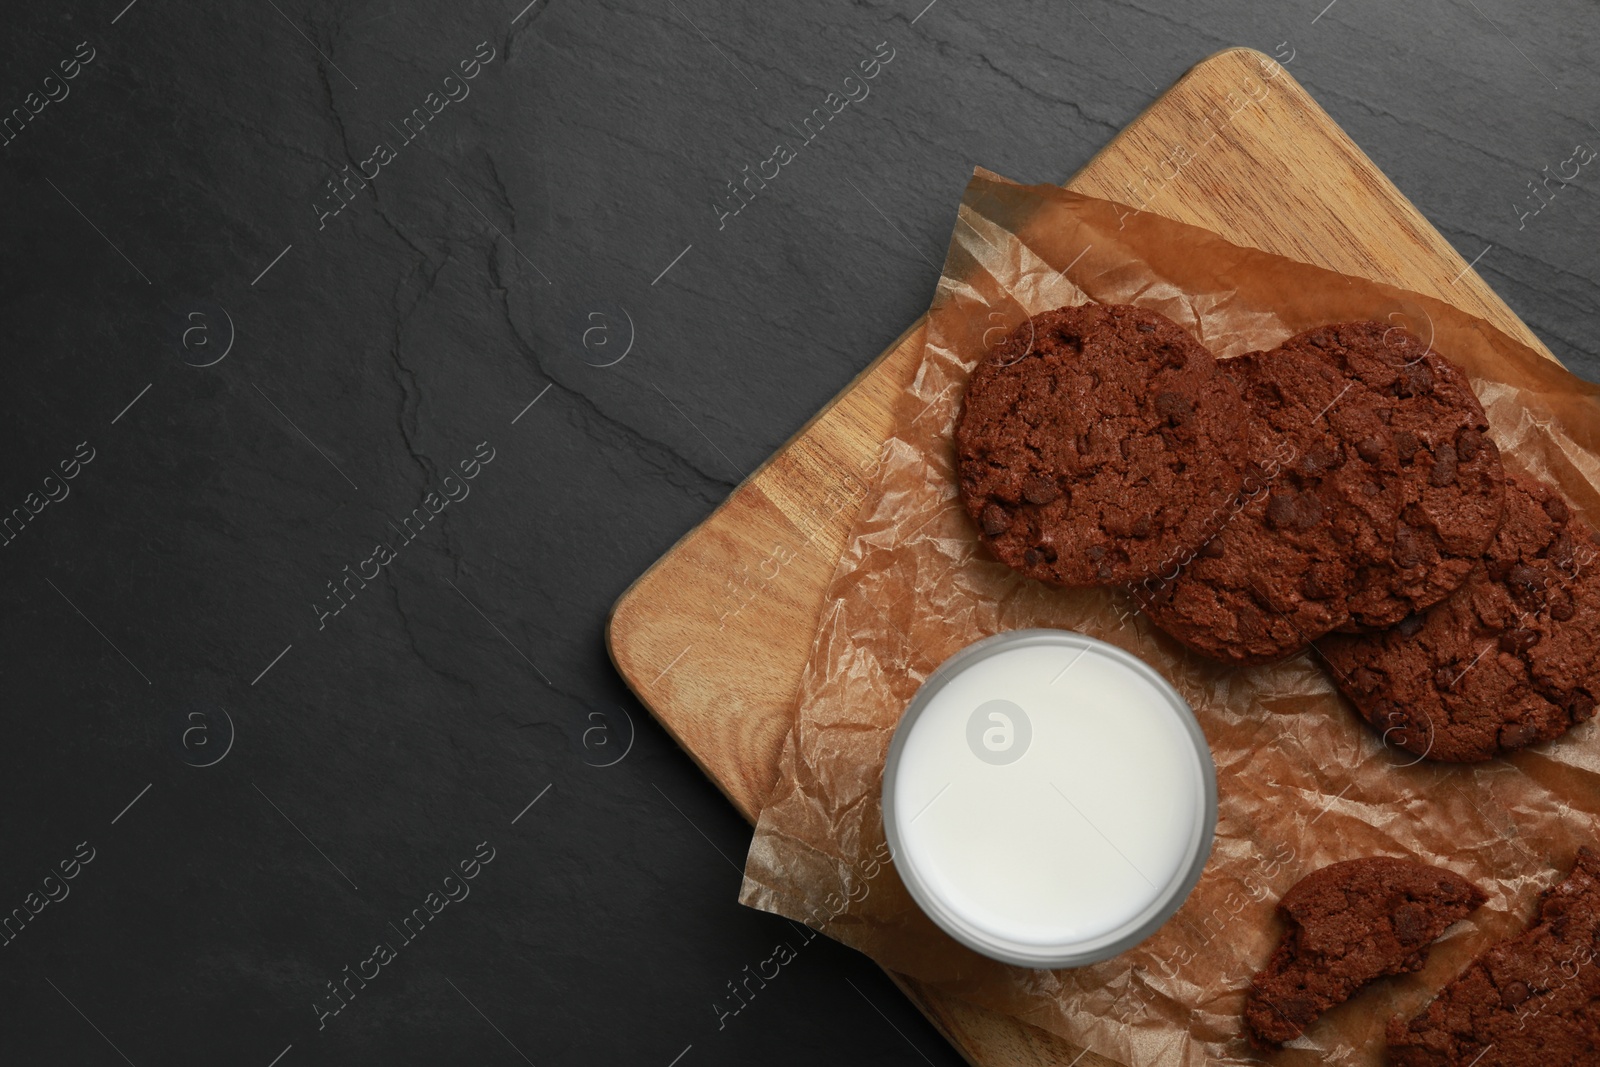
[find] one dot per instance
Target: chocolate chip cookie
(1348, 924)
(1507, 660)
(1532, 1001)
(1098, 443)
(1375, 489)
(1434, 443)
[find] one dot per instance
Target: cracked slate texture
(407, 331)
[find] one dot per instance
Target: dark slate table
(326, 453)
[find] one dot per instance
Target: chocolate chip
(1557, 509)
(1039, 489)
(1410, 625)
(1518, 735)
(1444, 466)
(1523, 580)
(1280, 509)
(1251, 627)
(1096, 553)
(1415, 380)
(996, 520)
(1580, 705)
(1289, 509)
(1266, 394)
(1406, 445)
(1517, 641)
(1370, 448)
(1322, 581)
(1468, 442)
(1514, 992)
(1411, 923)
(1525, 586)
(1174, 407)
(1561, 606)
(1561, 552)
(1407, 550)
(1141, 527)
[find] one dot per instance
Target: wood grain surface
(714, 636)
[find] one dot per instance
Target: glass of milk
(1049, 798)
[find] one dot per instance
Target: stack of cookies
(1339, 492)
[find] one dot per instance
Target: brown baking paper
(1302, 781)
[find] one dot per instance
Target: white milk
(1039, 845)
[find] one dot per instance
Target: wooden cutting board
(713, 638)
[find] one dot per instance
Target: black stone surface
(166, 210)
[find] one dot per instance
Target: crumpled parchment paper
(1302, 781)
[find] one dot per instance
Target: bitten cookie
(1098, 443)
(1508, 660)
(1348, 924)
(1532, 1001)
(1377, 489)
